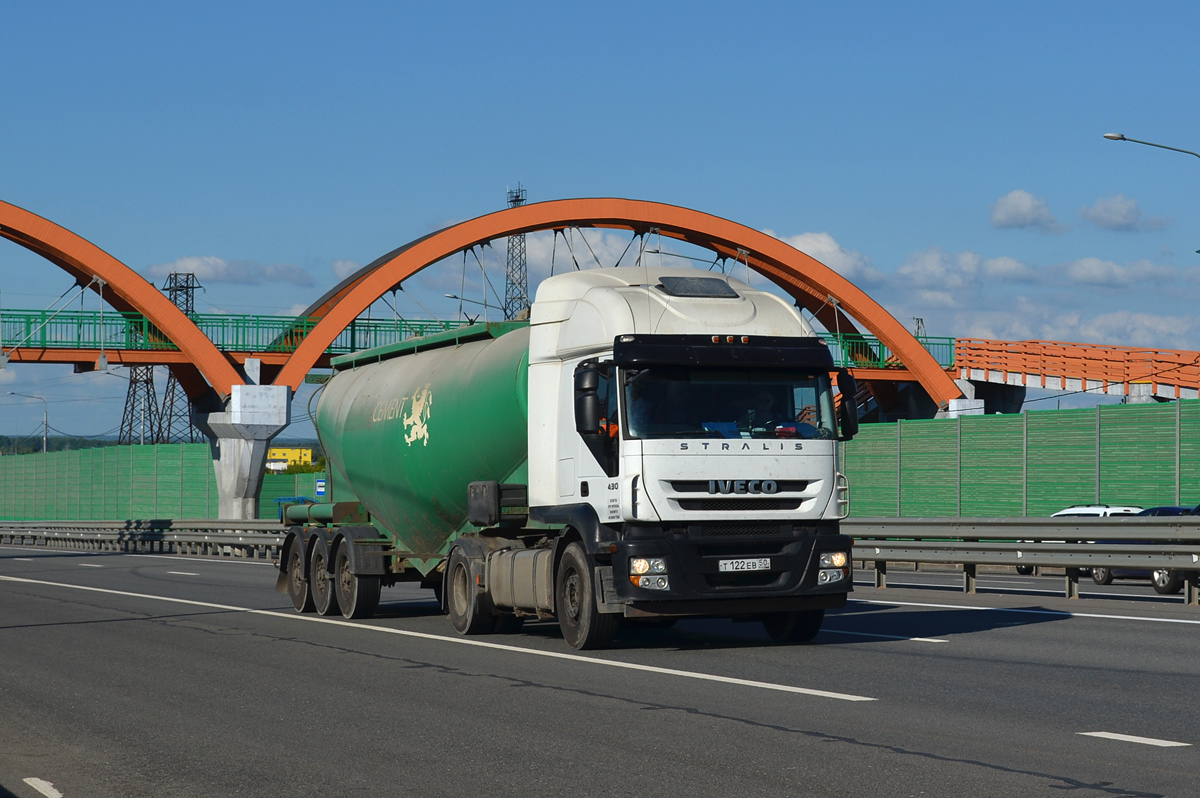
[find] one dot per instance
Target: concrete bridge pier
(239, 436)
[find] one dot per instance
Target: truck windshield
(689, 402)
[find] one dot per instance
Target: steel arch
(124, 289)
(809, 281)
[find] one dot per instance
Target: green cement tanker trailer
(653, 444)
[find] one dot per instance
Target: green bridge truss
(73, 329)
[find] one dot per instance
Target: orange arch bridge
(810, 282)
(125, 290)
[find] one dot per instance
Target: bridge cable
(36, 329)
(589, 246)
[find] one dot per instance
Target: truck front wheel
(583, 625)
(464, 599)
(793, 627)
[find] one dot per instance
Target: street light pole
(45, 415)
(1121, 137)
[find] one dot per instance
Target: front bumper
(698, 586)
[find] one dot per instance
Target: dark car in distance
(1167, 581)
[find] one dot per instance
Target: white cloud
(1022, 209)
(210, 269)
(854, 266)
(1094, 271)
(933, 268)
(344, 268)
(1006, 268)
(1120, 213)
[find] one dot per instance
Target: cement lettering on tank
(417, 420)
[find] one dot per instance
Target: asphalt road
(141, 675)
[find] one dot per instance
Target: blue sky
(945, 156)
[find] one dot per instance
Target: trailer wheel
(297, 585)
(465, 602)
(319, 583)
(357, 596)
(793, 627)
(583, 625)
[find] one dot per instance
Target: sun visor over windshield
(758, 351)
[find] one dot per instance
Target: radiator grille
(701, 485)
(738, 505)
(736, 530)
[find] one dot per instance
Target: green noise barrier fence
(1028, 464)
(116, 483)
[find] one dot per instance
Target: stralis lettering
(742, 486)
(724, 447)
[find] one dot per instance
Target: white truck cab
(683, 421)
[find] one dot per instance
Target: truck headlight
(834, 559)
(644, 565)
(827, 576)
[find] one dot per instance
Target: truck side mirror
(587, 401)
(848, 387)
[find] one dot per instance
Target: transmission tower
(139, 423)
(175, 419)
(516, 278)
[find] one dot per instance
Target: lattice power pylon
(516, 278)
(140, 421)
(175, 417)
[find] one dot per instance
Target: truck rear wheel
(793, 627)
(319, 583)
(297, 585)
(583, 625)
(357, 596)
(465, 603)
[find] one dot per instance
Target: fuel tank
(409, 426)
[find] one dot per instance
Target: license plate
(756, 564)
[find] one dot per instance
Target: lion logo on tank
(417, 421)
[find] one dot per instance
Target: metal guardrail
(257, 540)
(1073, 543)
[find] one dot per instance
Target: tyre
(793, 627)
(357, 596)
(1102, 576)
(1025, 570)
(297, 585)
(583, 625)
(470, 611)
(1167, 581)
(320, 585)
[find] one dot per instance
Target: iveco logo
(742, 486)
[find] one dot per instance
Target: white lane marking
(889, 637)
(1058, 613)
(1129, 738)
(23, 559)
(462, 641)
(89, 565)
(182, 573)
(44, 787)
